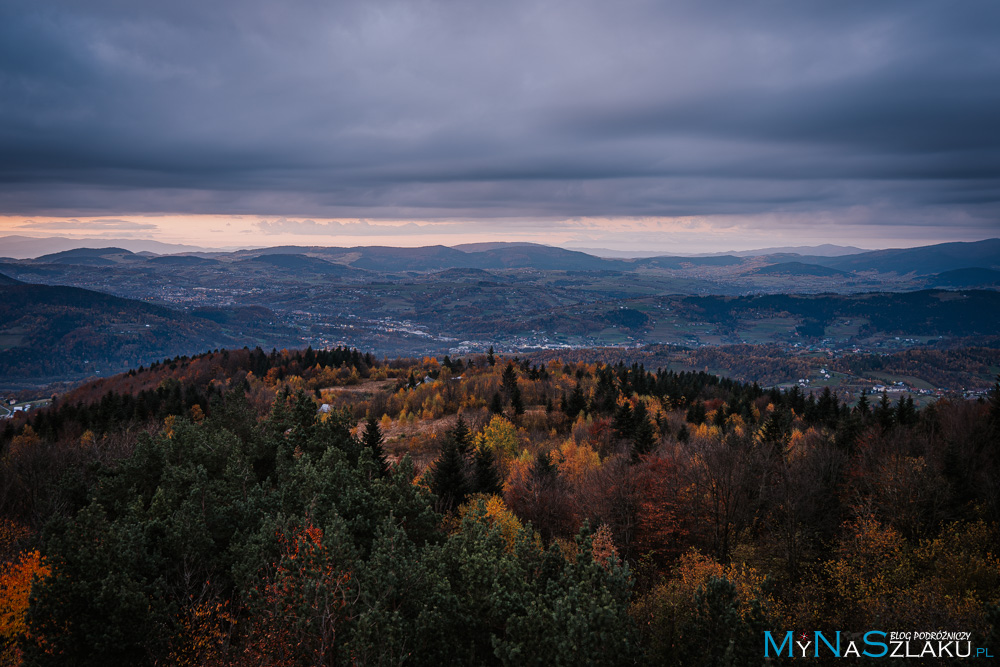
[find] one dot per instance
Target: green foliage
(719, 634)
(578, 617)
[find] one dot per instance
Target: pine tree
(490, 359)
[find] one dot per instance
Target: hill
(428, 258)
(798, 269)
(687, 262)
(926, 313)
(924, 260)
(461, 275)
(298, 263)
(542, 258)
(88, 256)
(975, 277)
(183, 260)
(48, 331)
(26, 247)
(7, 280)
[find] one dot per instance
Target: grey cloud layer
(427, 109)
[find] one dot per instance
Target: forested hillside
(49, 331)
(328, 507)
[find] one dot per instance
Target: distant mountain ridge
(921, 261)
(86, 256)
(26, 247)
(925, 260)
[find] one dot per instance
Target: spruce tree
(624, 424)
(544, 468)
(460, 435)
(643, 433)
(863, 408)
(884, 414)
(995, 405)
(906, 412)
(516, 402)
(508, 380)
(487, 480)
(577, 403)
(696, 413)
(448, 481)
(372, 438)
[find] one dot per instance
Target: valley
(516, 298)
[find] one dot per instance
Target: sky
(686, 126)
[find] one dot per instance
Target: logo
(872, 644)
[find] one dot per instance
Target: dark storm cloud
(433, 110)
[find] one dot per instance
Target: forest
(326, 507)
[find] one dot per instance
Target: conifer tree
(863, 408)
(460, 435)
(995, 404)
(643, 433)
(448, 480)
(508, 380)
(372, 438)
(884, 414)
(576, 403)
(696, 413)
(624, 424)
(516, 402)
(906, 413)
(487, 479)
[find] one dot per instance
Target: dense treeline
(925, 312)
(324, 507)
(968, 366)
